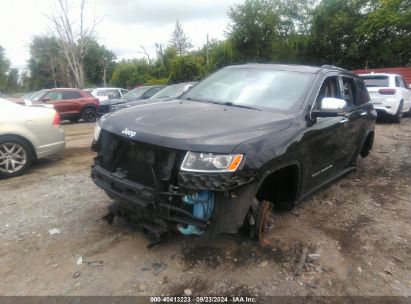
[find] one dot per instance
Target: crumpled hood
(194, 126)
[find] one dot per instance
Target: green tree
(386, 34)
(130, 73)
(47, 65)
(186, 68)
(99, 64)
(4, 69)
(13, 81)
(334, 37)
(179, 40)
(254, 26)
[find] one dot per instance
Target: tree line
(352, 34)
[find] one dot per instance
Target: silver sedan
(26, 134)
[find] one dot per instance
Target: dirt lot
(359, 230)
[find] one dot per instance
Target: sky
(124, 25)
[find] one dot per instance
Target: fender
(269, 169)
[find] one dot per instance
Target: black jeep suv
(247, 139)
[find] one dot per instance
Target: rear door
(358, 113)
(72, 102)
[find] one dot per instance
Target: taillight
(387, 91)
(56, 119)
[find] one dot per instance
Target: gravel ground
(357, 231)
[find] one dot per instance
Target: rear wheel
(89, 114)
(15, 156)
(397, 117)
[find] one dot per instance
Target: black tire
(74, 119)
(13, 150)
(397, 117)
(89, 114)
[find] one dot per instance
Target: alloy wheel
(13, 157)
(89, 114)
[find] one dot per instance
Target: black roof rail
(328, 66)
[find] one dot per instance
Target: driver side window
(329, 88)
(54, 96)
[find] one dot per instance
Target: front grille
(103, 109)
(138, 162)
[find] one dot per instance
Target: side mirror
(330, 107)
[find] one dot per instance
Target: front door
(324, 146)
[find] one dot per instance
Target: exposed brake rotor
(264, 222)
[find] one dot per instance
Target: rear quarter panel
(34, 124)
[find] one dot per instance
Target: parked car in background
(107, 93)
(389, 93)
(168, 93)
(139, 93)
(173, 91)
(243, 141)
(27, 134)
(71, 104)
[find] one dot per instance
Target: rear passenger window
(71, 95)
(101, 93)
(397, 82)
(350, 92)
(113, 94)
(363, 96)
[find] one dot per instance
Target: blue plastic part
(203, 206)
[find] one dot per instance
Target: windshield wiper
(227, 103)
(230, 104)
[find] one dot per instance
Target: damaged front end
(161, 189)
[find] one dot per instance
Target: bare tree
(73, 37)
(145, 53)
(179, 40)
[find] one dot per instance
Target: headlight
(208, 162)
(115, 108)
(97, 130)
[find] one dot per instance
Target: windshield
(36, 96)
(171, 91)
(136, 93)
(376, 81)
(272, 89)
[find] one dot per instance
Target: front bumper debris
(143, 202)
